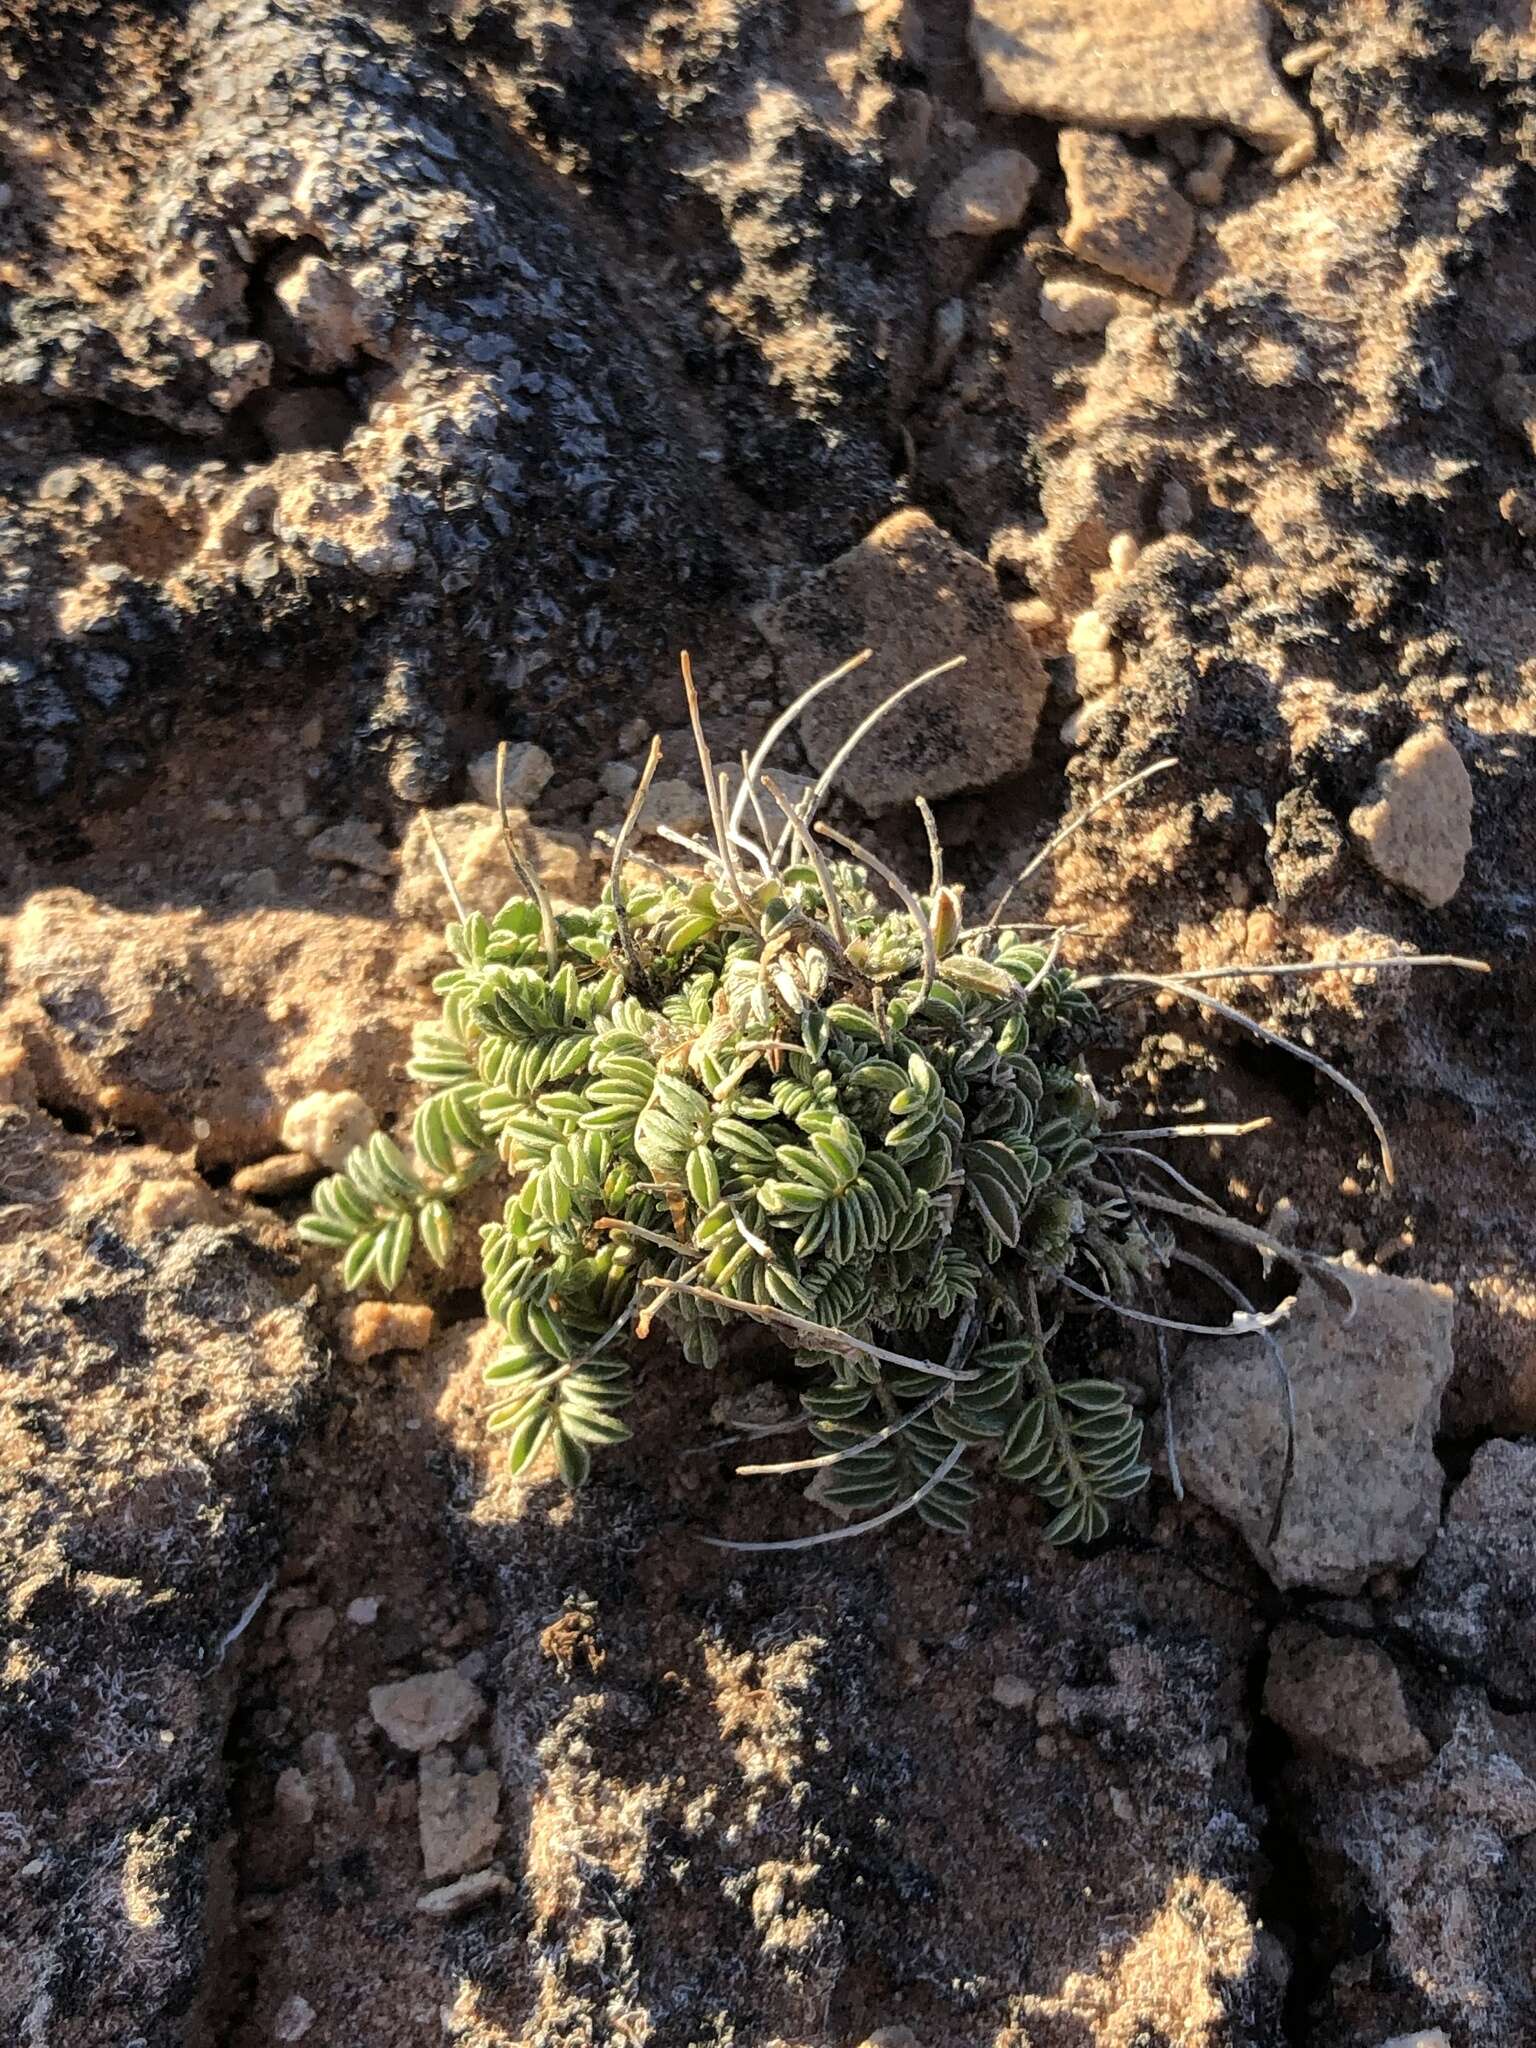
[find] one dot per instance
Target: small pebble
(354, 843)
(281, 1174)
(449, 1901)
(1009, 1691)
(293, 2019)
(528, 773)
(371, 1328)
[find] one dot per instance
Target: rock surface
(1124, 215)
(1431, 1923)
(1340, 1699)
(1365, 1492)
(118, 1013)
(988, 196)
(1097, 63)
(157, 1375)
(1474, 1603)
(918, 599)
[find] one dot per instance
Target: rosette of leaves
(766, 1090)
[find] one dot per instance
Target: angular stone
(1474, 1603)
(293, 2019)
(917, 598)
(449, 1901)
(1110, 64)
(354, 843)
(527, 775)
(1343, 1699)
(988, 197)
(370, 1328)
(1432, 1864)
(427, 1711)
(1069, 307)
(1415, 826)
(1125, 214)
(282, 1173)
(328, 1124)
(1365, 1493)
(470, 837)
(456, 1816)
(678, 804)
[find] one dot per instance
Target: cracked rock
(1341, 1699)
(1474, 1603)
(1365, 1493)
(917, 597)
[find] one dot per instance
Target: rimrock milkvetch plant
(785, 1086)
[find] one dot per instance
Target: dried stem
(1254, 970)
(443, 868)
(620, 850)
(869, 1443)
(909, 901)
(1074, 825)
(935, 846)
(817, 859)
(1141, 1315)
(935, 1478)
(712, 790)
(526, 873)
(785, 720)
(1275, 1038)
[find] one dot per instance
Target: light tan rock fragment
(470, 837)
(1415, 826)
(1125, 215)
(427, 1711)
(1139, 67)
(354, 843)
(456, 1816)
(916, 597)
(528, 774)
(327, 1124)
(1339, 1698)
(371, 1328)
(1068, 307)
(1206, 184)
(452, 1901)
(987, 198)
(1364, 1495)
